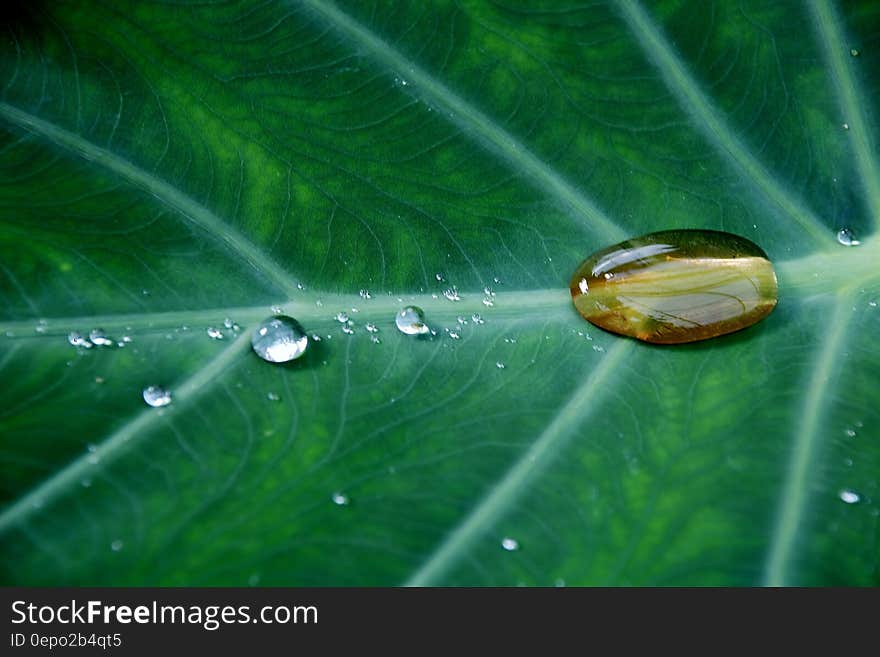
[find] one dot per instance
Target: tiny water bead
(340, 499)
(509, 544)
(676, 286)
(854, 52)
(849, 496)
(411, 320)
(846, 237)
(279, 339)
(156, 396)
(214, 333)
(98, 337)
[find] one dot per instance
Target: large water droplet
(157, 396)
(846, 237)
(849, 496)
(411, 320)
(509, 544)
(279, 339)
(676, 286)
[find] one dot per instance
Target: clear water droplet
(846, 237)
(371, 328)
(272, 396)
(873, 304)
(316, 337)
(365, 294)
(279, 339)
(342, 317)
(276, 310)
(157, 396)
(500, 365)
(116, 545)
(340, 499)
(851, 433)
(215, 333)
(452, 294)
(439, 278)
(509, 544)
(496, 280)
(455, 335)
(849, 496)
(348, 329)
(845, 126)
(300, 286)
(375, 339)
(227, 323)
(488, 291)
(77, 340)
(854, 52)
(411, 320)
(98, 337)
(41, 326)
(461, 320)
(476, 318)
(488, 302)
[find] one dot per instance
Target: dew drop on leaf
(340, 499)
(116, 545)
(411, 320)
(98, 337)
(279, 339)
(509, 544)
(846, 237)
(156, 396)
(214, 333)
(342, 317)
(676, 286)
(77, 340)
(849, 496)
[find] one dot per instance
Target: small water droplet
(509, 544)
(157, 396)
(849, 496)
(455, 335)
(854, 52)
(371, 328)
(488, 302)
(342, 317)
(227, 323)
(116, 545)
(98, 337)
(279, 339)
(215, 333)
(439, 278)
(873, 304)
(851, 433)
(272, 396)
(500, 365)
(411, 320)
(41, 326)
(365, 294)
(300, 286)
(452, 294)
(375, 339)
(476, 318)
(598, 348)
(348, 329)
(86, 483)
(340, 499)
(846, 237)
(276, 310)
(316, 337)
(845, 126)
(77, 340)
(496, 280)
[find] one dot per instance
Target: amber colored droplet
(676, 286)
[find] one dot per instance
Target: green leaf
(167, 166)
